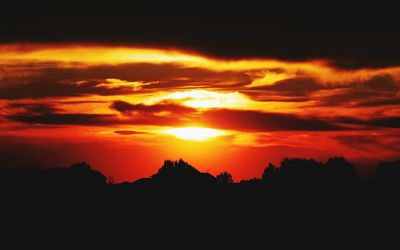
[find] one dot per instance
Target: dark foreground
(302, 202)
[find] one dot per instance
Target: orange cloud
(74, 54)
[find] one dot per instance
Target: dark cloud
(81, 102)
(348, 120)
(128, 132)
(51, 80)
(135, 114)
(33, 108)
(376, 91)
(128, 108)
(233, 119)
(41, 88)
(67, 119)
(297, 88)
(268, 96)
(260, 121)
(344, 96)
(226, 119)
(387, 122)
(382, 82)
(361, 142)
(365, 142)
(374, 122)
(173, 114)
(379, 102)
(95, 119)
(140, 114)
(342, 33)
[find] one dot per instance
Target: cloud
(361, 142)
(41, 88)
(295, 89)
(342, 96)
(161, 114)
(96, 119)
(295, 86)
(128, 132)
(379, 102)
(388, 122)
(67, 119)
(173, 114)
(260, 121)
(232, 119)
(39, 80)
(33, 108)
(377, 90)
(128, 108)
(368, 142)
(373, 122)
(170, 114)
(382, 82)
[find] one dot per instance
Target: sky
(124, 88)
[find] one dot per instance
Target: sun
(195, 133)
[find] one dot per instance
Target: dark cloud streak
(349, 36)
(260, 121)
(127, 108)
(66, 119)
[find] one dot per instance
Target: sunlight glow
(112, 83)
(194, 133)
(209, 99)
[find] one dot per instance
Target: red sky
(126, 109)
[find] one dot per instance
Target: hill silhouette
(285, 198)
(295, 174)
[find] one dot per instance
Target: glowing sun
(194, 133)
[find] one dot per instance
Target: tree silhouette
(177, 173)
(179, 181)
(224, 177)
(300, 173)
(270, 173)
(340, 172)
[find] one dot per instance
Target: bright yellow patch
(194, 133)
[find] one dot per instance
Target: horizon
(361, 175)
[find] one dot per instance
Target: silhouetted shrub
(340, 172)
(270, 174)
(181, 172)
(224, 177)
(297, 172)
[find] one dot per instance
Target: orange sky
(126, 109)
